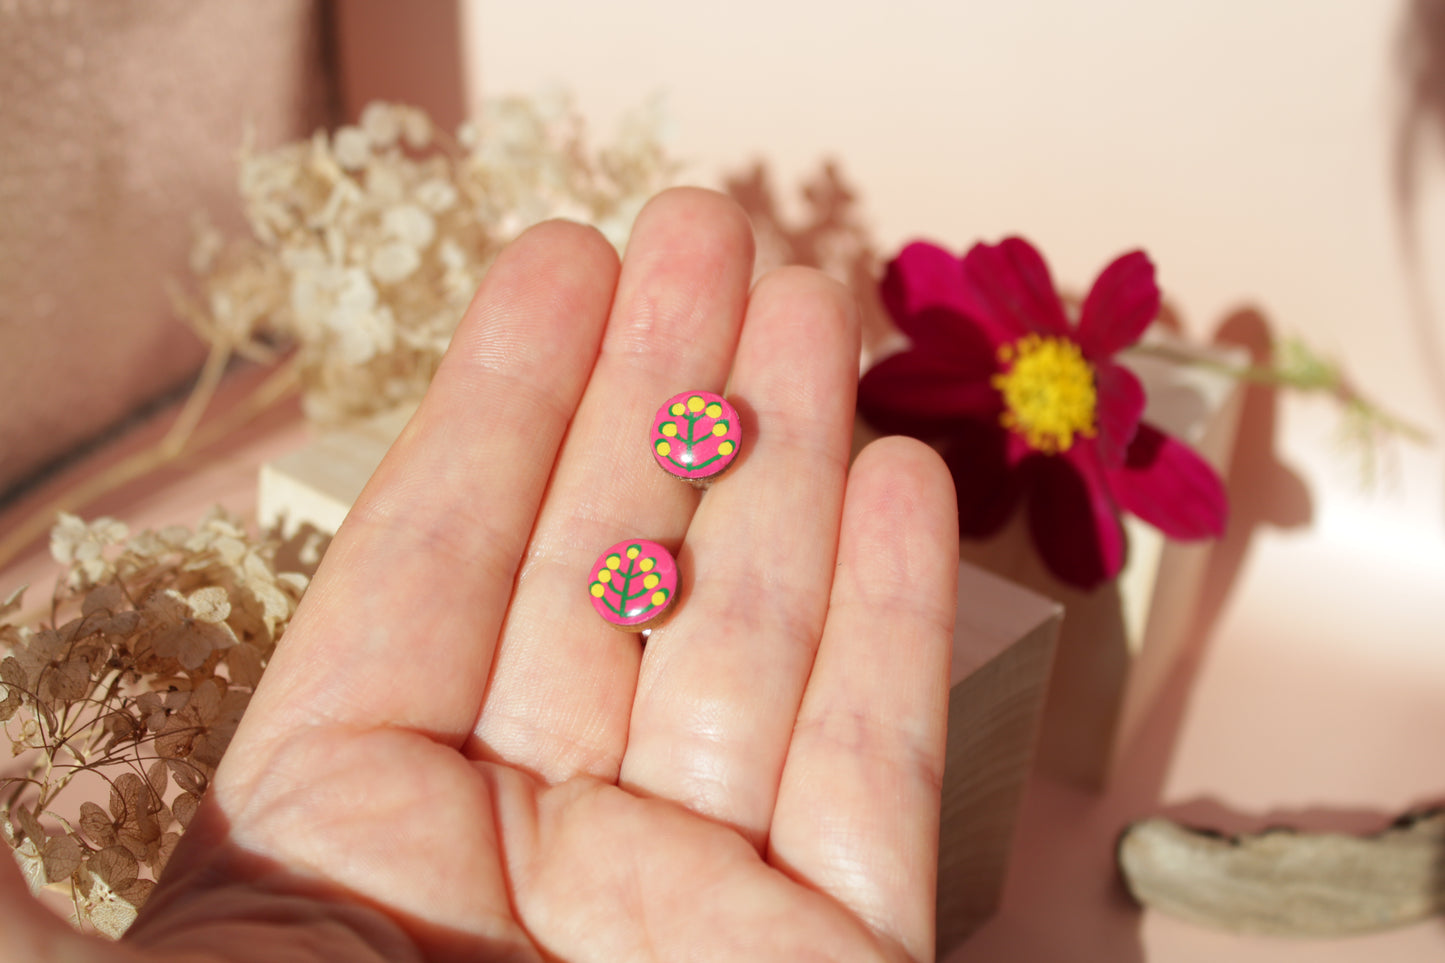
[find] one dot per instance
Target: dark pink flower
(1033, 406)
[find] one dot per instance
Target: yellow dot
(605, 575)
(650, 581)
(663, 448)
(694, 404)
(669, 429)
(613, 561)
(714, 410)
(659, 597)
(677, 409)
(646, 564)
(720, 429)
(726, 448)
(633, 551)
(597, 589)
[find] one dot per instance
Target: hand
(452, 757)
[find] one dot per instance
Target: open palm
(452, 757)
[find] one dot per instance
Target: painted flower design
(1034, 406)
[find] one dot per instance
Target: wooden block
(317, 485)
(1003, 645)
(1119, 642)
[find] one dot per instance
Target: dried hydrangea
(368, 242)
(153, 648)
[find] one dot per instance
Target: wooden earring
(633, 584)
(696, 436)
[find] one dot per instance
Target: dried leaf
(297, 582)
(176, 739)
(153, 710)
(61, 857)
(68, 681)
(206, 698)
(120, 623)
(162, 853)
(184, 807)
(106, 910)
(97, 824)
(127, 798)
(136, 892)
(211, 604)
(187, 775)
(103, 598)
(32, 865)
(122, 726)
(115, 865)
(12, 674)
(12, 601)
(243, 661)
(29, 825)
(10, 704)
(156, 779)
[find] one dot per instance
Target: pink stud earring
(634, 584)
(695, 436)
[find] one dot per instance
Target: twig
(172, 448)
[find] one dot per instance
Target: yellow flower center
(1048, 392)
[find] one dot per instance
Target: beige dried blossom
(368, 243)
(143, 685)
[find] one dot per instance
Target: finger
(562, 686)
(721, 682)
(399, 625)
(857, 813)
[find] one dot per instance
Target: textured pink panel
(118, 122)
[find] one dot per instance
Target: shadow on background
(822, 228)
(1421, 125)
(1263, 493)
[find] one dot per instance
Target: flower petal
(923, 288)
(988, 486)
(1073, 518)
(942, 377)
(1012, 290)
(922, 394)
(1119, 407)
(1168, 485)
(1122, 303)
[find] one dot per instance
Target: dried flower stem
(175, 446)
(1306, 372)
(199, 399)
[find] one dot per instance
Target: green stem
(1324, 382)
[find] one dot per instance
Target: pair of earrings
(695, 437)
